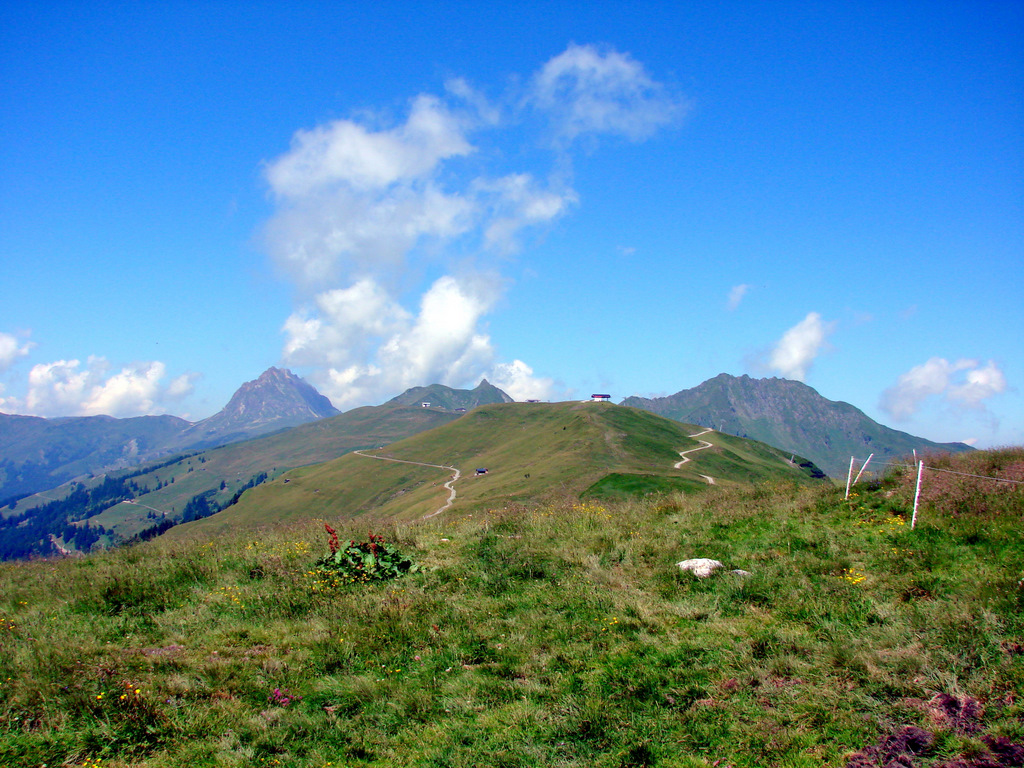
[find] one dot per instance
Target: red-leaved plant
(370, 560)
(332, 542)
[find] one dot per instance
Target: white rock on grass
(701, 567)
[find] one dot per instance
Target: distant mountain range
(107, 480)
(533, 453)
(792, 416)
(146, 499)
(37, 453)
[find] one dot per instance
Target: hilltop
(534, 453)
(440, 396)
(792, 416)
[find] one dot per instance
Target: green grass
(560, 634)
(621, 486)
(235, 464)
(535, 453)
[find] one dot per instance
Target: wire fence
(981, 477)
(920, 467)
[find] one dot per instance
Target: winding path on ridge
(450, 485)
(703, 445)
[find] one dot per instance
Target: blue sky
(630, 198)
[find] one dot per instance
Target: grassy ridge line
(559, 636)
(534, 452)
(304, 445)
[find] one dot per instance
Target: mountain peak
(790, 415)
(442, 396)
(277, 399)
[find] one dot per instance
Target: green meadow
(535, 453)
(559, 633)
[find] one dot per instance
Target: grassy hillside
(562, 635)
(37, 453)
(533, 453)
(223, 471)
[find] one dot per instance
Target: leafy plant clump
(361, 562)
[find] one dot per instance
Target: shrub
(360, 562)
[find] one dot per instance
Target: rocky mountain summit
(278, 399)
(793, 416)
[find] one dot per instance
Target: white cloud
(981, 384)
(517, 201)
(444, 344)
(349, 154)
(59, 388)
(371, 345)
(367, 209)
(736, 295)
(484, 111)
(589, 91)
(354, 199)
(330, 235)
(345, 324)
(963, 383)
(517, 380)
(181, 387)
(67, 388)
(131, 392)
(800, 345)
(11, 349)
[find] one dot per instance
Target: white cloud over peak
(517, 380)
(364, 343)
(445, 343)
(963, 383)
(60, 387)
(130, 392)
(591, 91)
(368, 208)
(794, 353)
